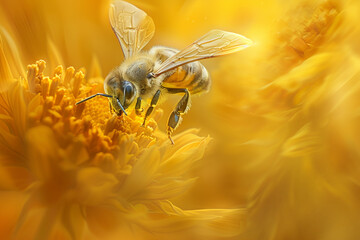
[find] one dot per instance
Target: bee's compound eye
(129, 90)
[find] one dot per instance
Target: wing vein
(214, 43)
(132, 26)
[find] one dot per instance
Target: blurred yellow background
(283, 115)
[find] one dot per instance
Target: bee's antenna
(98, 94)
(104, 95)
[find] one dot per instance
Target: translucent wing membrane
(214, 43)
(132, 26)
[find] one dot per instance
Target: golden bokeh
(283, 118)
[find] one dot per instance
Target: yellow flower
(283, 116)
(79, 172)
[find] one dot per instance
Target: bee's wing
(214, 43)
(132, 26)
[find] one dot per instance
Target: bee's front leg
(153, 103)
(111, 109)
(181, 108)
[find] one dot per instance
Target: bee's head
(124, 91)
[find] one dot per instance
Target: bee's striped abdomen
(192, 76)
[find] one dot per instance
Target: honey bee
(146, 75)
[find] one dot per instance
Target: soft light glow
(283, 116)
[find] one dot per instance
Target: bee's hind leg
(153, 103)
(181, 108)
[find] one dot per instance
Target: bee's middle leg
(138, 109)
(153, 103)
